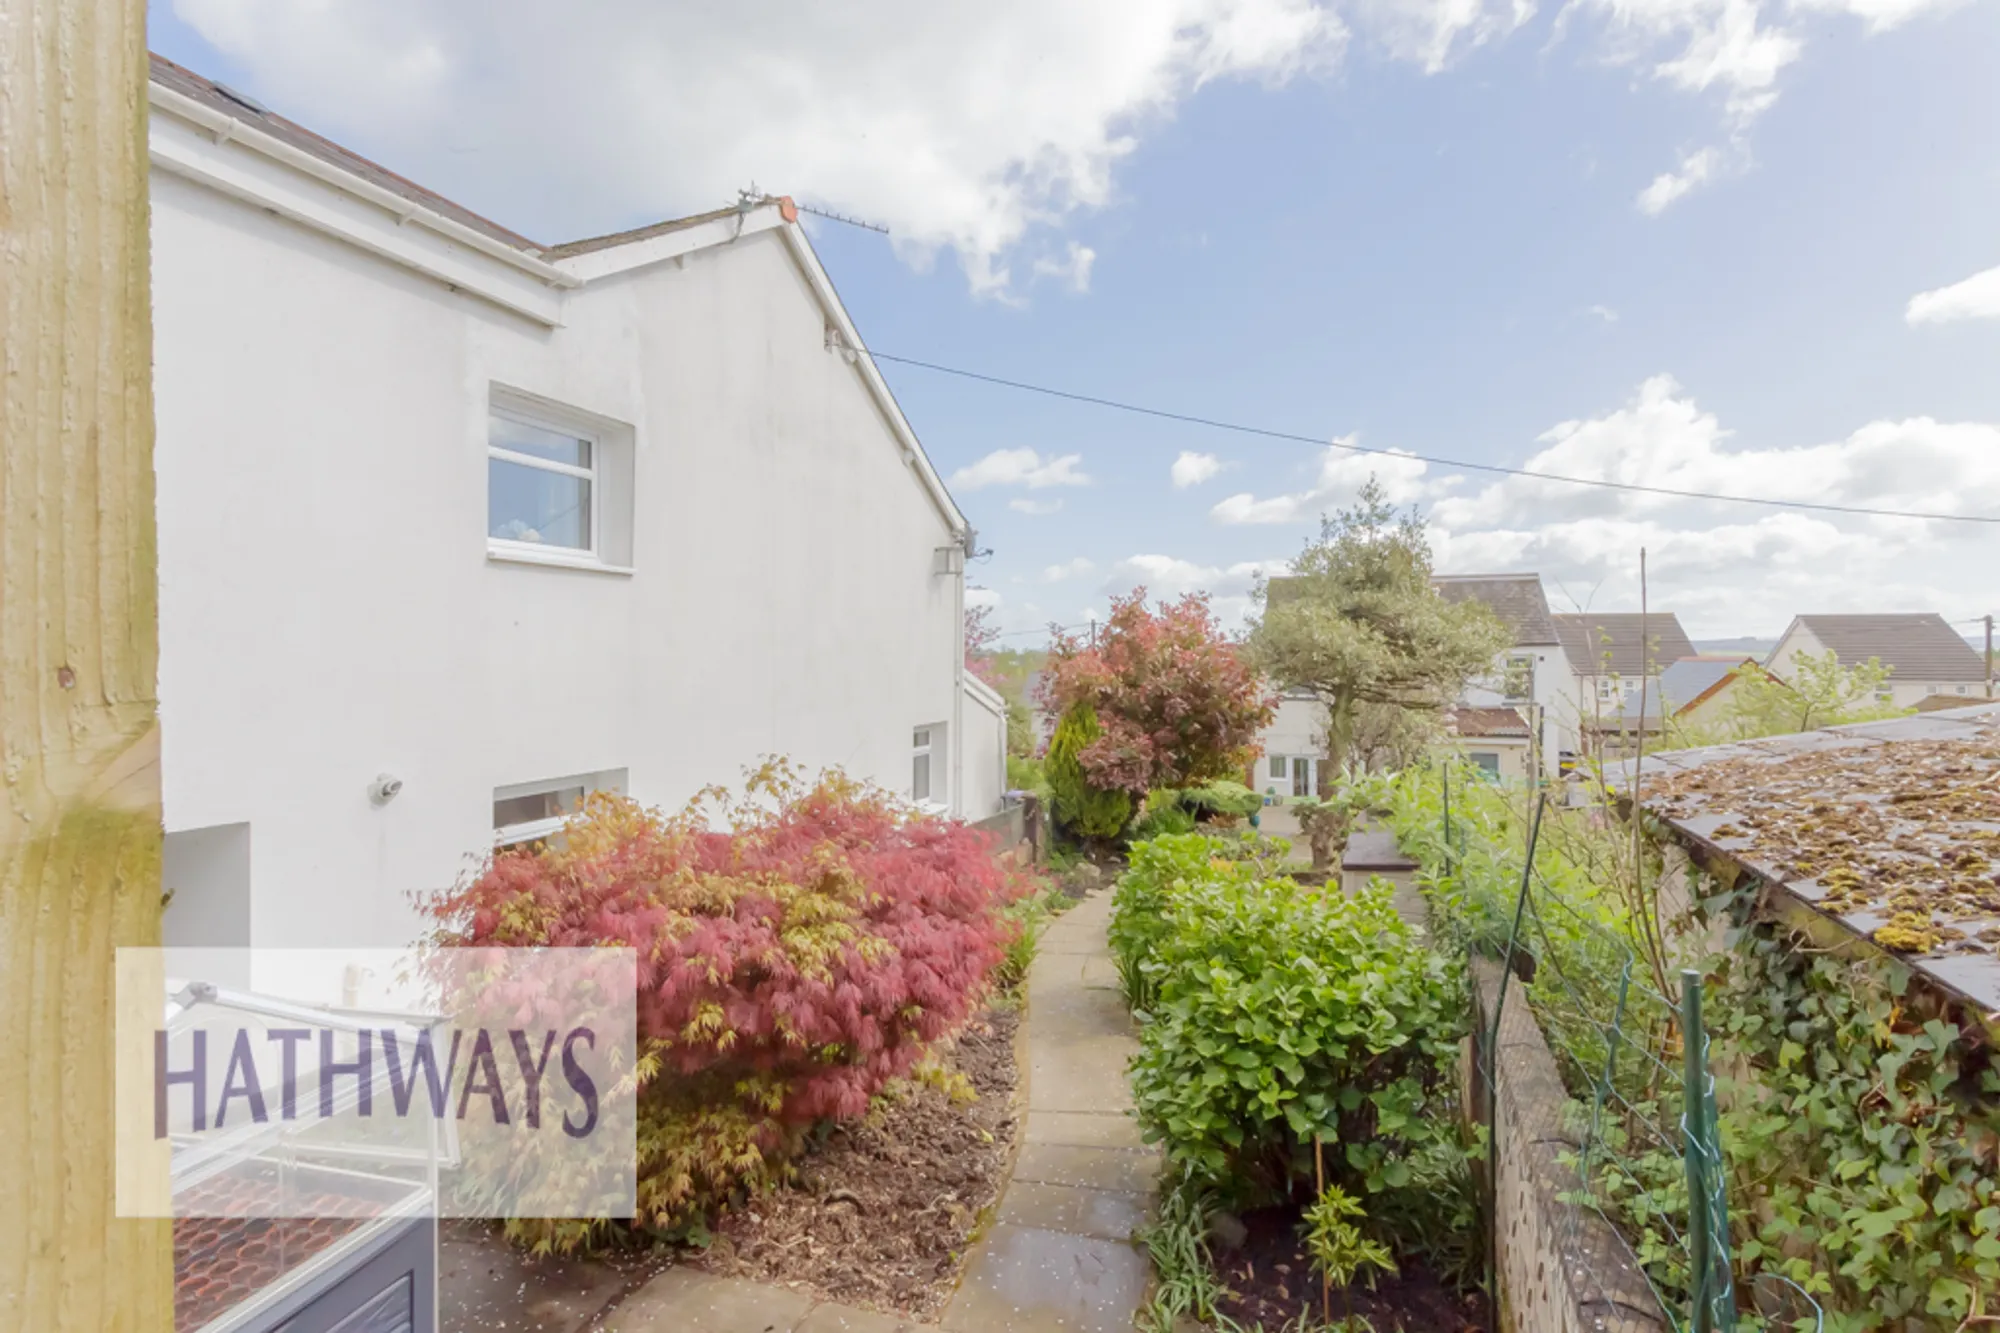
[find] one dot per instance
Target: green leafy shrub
(1163, 816)
(1859, 1129)
(1084, 810)
(1221, 797)
(1276, 1014)
(1159, 869)
(1336, 1243)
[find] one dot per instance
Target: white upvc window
(920, 764)
(531, 811)
(542, 484)
(1279, 766)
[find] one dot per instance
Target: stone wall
(1560, 1268)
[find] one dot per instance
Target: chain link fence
(1636, 1144)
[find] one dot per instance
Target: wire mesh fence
(1627, 1034)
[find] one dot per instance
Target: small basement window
(927, 764)
(531, 811)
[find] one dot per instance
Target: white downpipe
(957, 738)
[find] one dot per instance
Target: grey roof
(1681, 684)
(1599, 645)
(1471, 721)
(1918, 646)
(1517, 599)
(645, 233)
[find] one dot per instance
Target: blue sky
(1307, 219)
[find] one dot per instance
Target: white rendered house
(1532, 674)
(455, 527)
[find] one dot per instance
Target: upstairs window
(541, 484)
(1517, 683)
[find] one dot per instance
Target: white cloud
(1670, 186)
(1035, 508)
(1977, 297)
(1073, 269)
(1730, 569)
(1021, 467)
(974, 128)
(959, 126)
(1166, 577)
(976, 596)
(1734, 49)
(1342, 473)
(1070, 569)
(1605, 313)
(1192, 469)
(1434, 33)
(1725, 569)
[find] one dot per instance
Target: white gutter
(228, 129)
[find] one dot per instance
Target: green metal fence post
(1712, 1290)
(1697, 1169)
(1446, 771)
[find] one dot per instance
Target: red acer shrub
(1177, 704)
(798, 949)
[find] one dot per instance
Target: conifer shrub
(799, 946)
(1085, 810)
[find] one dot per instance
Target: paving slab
(486, 1283)
(1033, 1280)
(687, 1300)
(1083, 1129)
(1088, 1076)
(1131, 1170)
(827, 1317)
(1105, 1214)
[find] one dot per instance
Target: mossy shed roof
(1890, 828)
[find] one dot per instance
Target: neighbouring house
(1691, 695)
(456, 528)
(1925, 655)
(1495, 740)
(1043, 721)
(1610, 655)
(1294, 747)
(1533, 673)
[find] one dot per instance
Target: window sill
(528, 555)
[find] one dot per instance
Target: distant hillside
(1747, 646)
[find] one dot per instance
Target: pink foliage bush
(798, 948)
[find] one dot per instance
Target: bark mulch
(881, 1213)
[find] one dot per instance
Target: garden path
(1058, 1257)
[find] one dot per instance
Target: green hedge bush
(1273, 1013)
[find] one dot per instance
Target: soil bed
(881, 1213)
(1272, 1282)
